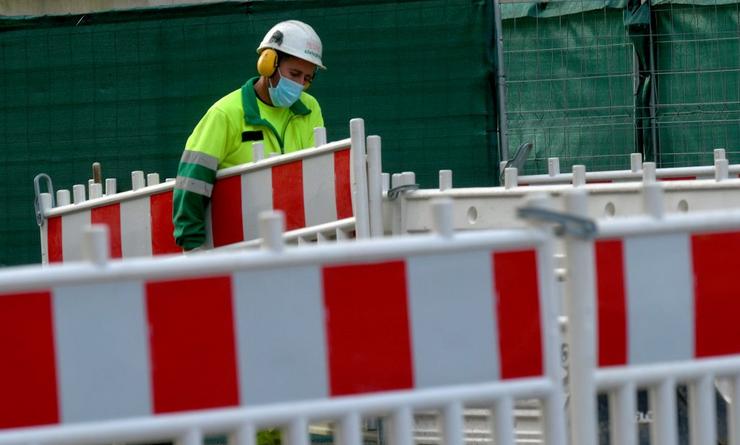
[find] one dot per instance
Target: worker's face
(295, 69)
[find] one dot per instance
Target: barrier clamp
(565, 223)
(395, 192)
(37, 192)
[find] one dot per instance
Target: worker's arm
(195, 177)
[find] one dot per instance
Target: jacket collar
(251, 110)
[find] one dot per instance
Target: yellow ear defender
(267, 62)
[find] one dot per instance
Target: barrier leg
(665, 430)
(623, 408)
(503, 415)
(453, 424)
(581, 331)
(245, 435)
(349, 430)
(702, 410)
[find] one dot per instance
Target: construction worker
(272, 108)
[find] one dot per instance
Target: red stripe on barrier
(716, 295)
(678, 178)
(226, 211)
(369, 344)
(163, 239)
(192, 344)
(110, 215)
(28, 389)
(287, 193)
(342, 184)
(518, 309)
(611, 303)
(54, 239)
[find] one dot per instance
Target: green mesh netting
(126, 89)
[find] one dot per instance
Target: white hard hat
(295, 38)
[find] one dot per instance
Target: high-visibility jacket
(223, 138)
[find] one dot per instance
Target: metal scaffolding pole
(503, 143)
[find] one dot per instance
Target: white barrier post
(319, 136)
(553, 166)
(375, 186)
(191, 437)
(663, 403)
(635, 162)
(510, 178)
(445, 180)
(408, 178)
(349, 430)
(137, 180)
(402, 426)
(63, 198)
(152, 179)
(78, 192)
(442, 221)
(652, 195)
(359, 177)
(702, 410)
(110, 186)
(733, 418)
(396, 225)
(554, 428)
(95, 247)
(579, 175)
(96, 190)
(719, 153)
(503, 411)
(648, 172)
(258, 151)
(271, 227)
(623, 405)
(298, 432)
(581, 332)
(246, 435)
(453, 428)
(721, 169)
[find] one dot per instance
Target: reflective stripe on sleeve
(199, 158)
(194, 185)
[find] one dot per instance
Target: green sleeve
(195, 177)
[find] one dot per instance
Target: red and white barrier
(554, 176)
(85, 342)
(496, 207)
(662, 299)
(312, 187)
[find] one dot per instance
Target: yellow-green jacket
(223, 138)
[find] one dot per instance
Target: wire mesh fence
(591, 81)
(698, 81)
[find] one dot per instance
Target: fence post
(581, 336)
(375, 187)
(359, 177)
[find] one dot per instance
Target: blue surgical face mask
(286, 93)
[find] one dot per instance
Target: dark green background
(126, 88)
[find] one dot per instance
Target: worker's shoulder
(309, 101)
(231, 104)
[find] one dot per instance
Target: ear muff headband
(267, 62)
